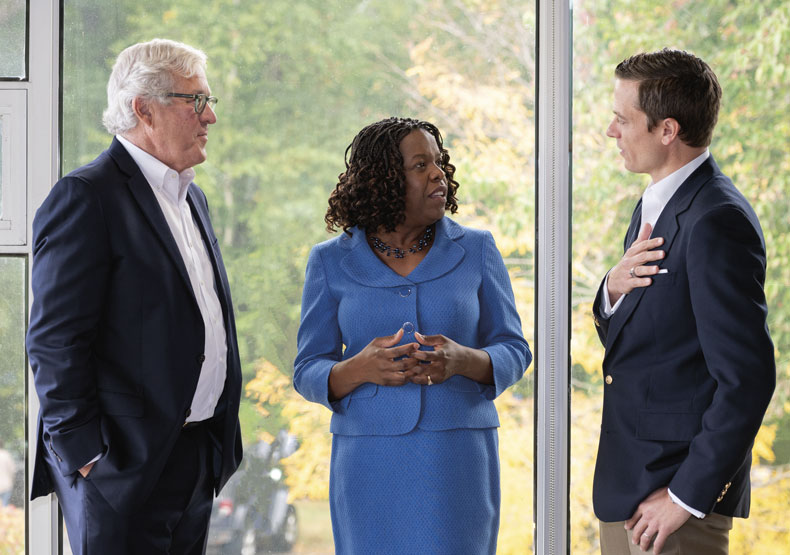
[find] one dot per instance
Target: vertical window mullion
(552, 303)
(42, 537)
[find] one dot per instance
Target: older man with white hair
(132, 337)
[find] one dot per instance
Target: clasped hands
(633, 271)
(384, 362)
(391, 365)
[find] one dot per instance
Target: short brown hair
(371, 192)
(676, 84)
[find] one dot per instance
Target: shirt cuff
(676, 500)
(606, 306)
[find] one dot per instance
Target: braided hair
(371, 192)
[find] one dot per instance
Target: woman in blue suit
(409, 332)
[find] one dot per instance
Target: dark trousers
(174, 520)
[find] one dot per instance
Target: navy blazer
(116, 336)
(689, 362)
(461, 289)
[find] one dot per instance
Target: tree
(12, 391)
(12, 363)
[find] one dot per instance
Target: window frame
(43, 92)
(552, 277)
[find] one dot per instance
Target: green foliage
(12, 38)
(754, 135)
(12, 362)
(12, 530)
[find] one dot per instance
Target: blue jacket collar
(363, 266)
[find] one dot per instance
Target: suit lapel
(633, 227)
(667, 226)
(204, 225)
(144, 195)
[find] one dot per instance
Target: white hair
(147, 70)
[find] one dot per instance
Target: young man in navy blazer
(132, 339)
(689, 366)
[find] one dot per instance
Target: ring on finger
(647, 536)
(632, 272)
(429, 380)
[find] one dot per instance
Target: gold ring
(429, 380)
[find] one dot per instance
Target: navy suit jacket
(116, 337)
(689, 362)
(461, 289)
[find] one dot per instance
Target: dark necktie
(633, 228)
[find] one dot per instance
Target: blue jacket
(689, 365)
(116, 336)
(461, 290)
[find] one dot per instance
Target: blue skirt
(432, 492)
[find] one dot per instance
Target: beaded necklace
(424, 241)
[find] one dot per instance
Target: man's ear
(142, 110)
(670, 129)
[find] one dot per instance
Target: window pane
(2, 157)
(12, 404)
(12, 166)
(13, 40)
(295, 83)
(750, 55)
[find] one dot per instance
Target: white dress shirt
(654, 200)
(170, 189)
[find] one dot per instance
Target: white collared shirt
(654, 200)
(170, 189)
(657, 195)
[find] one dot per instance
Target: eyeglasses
(201, 100)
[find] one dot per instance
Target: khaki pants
(706, 536)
